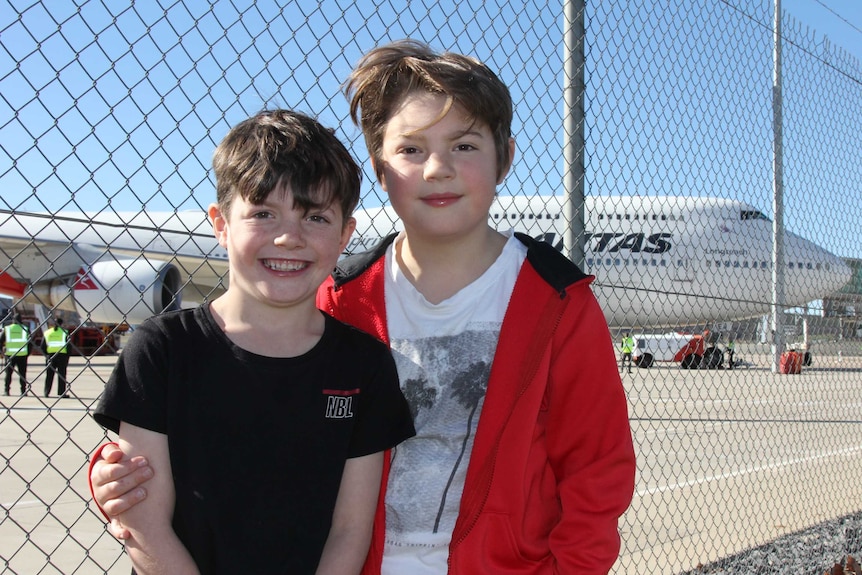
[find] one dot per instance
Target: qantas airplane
(658, 261)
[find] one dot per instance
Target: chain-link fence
(110, 111)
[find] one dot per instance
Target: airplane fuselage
(657, 261)
(667, 261)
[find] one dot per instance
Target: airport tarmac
(727, 460)
(50, 526)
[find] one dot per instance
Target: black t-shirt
(257, 444)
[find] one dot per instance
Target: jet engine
(115, 291)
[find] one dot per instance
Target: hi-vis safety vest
(628, 345)
(56, 340)
(16, 339)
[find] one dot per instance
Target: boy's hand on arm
(153, 547)
(115, 481)
(350, 535)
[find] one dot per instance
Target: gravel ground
(812, 551)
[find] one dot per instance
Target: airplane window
(617, 262)
(529, 216)
(601, 216)
(654, 217)
(736, 263)
(663, 217)
(590, 262)
(619, 217)
(752, 215)
(628, 217)
(745, 264)
(808, 266)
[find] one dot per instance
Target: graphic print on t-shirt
(444, 380)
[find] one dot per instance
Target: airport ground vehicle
(691, 351)
(802, 348)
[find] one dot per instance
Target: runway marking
(756, 469)
(37, 503)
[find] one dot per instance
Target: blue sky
(840, 20)
(88, 123)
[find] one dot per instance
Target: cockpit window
(752, 215)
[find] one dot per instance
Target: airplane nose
(816, 271)
(842, 275)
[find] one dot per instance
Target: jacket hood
(550, 264)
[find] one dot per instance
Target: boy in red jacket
(523, 459)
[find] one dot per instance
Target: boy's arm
(350, 535)
(153, 547)
(589, 442)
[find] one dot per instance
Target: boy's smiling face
(279, 255)
(440, 171)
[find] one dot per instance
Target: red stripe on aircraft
(9, 286)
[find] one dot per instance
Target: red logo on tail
(84, 280)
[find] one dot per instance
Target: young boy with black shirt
(266, 419)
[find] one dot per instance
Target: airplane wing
(111, 267)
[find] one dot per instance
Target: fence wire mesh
(110, 111)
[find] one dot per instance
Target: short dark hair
(387, 74)
(276, 147)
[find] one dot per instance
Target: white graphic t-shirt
(443, 353)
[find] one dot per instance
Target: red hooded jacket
(552, 467)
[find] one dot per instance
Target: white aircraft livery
(658, 261)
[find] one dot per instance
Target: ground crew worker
(56, 348)
(731, 345)
(16, 340)
(628, 348)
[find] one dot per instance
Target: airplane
(658, 261)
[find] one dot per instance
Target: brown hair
(276, 147)
(387, 74)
